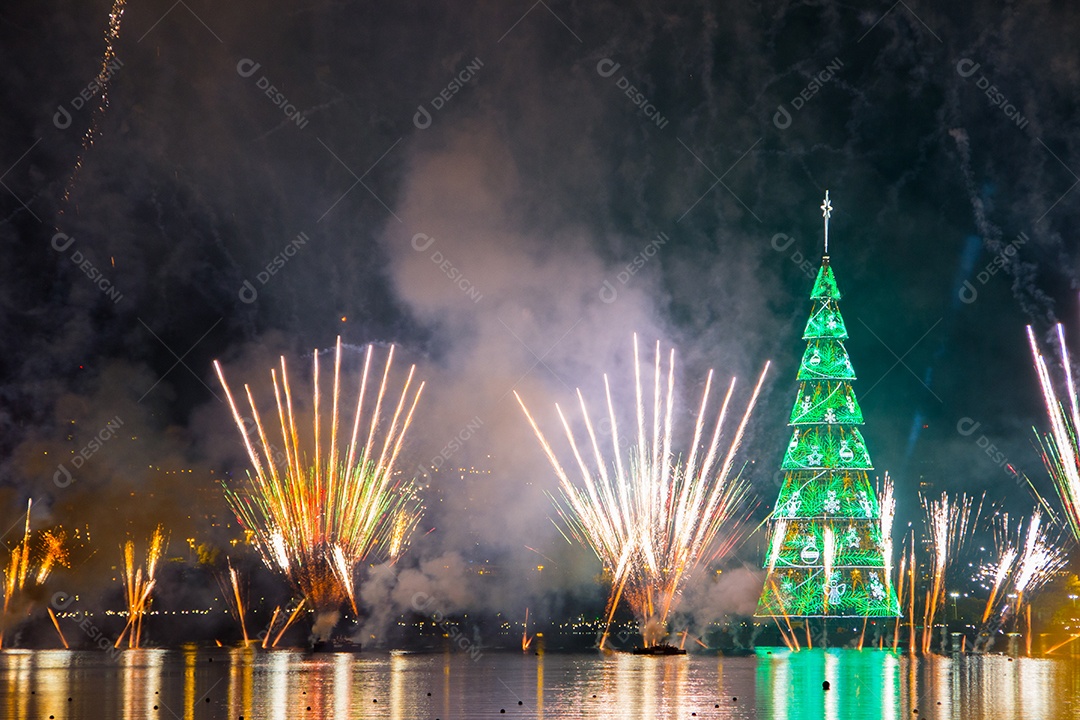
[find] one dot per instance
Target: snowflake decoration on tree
(832, 504)
(877, 590)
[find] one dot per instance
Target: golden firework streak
(653, 519)
(316, 520)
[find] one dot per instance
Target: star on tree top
(826, 212)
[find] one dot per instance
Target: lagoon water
(200, 683)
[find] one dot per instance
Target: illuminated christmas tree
(828, 555)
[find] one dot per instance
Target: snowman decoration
(851, 404)
(864, 501)
(791, 507)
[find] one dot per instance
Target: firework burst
(1040, 557)
(948, 523)
(998, 573)
(1027, 560)
(887, 493)
(314, 520)
(29, 569)
(651, 518)
(1061, 450)
(139, 582)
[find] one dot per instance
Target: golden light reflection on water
(140, 677)
(189, 683)
(17, 682)
(540, 683)
(398, 690)
(241, 679)
(213, 684)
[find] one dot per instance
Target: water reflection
(140, 678)
(210, 684)
(862, 683)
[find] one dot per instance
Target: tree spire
(826, 212)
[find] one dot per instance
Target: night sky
(468, 181)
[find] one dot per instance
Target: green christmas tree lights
(827, 556)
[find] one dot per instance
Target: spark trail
(234, 598)
(103, 82)
(651, 517)
(139, 585)
(1061, 449)
(1027, 560)
(948, 524)
(26, 568)
(316, 514)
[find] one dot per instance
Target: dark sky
(942, 131)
